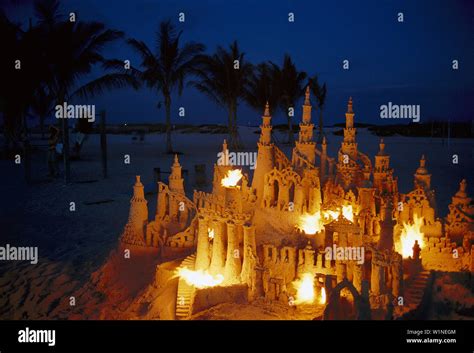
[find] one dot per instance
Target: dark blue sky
(405, 63)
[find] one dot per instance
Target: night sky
(405, 63)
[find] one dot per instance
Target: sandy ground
(72, 245)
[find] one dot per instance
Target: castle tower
(349, 144)
(134, 231)
(382, 171)
(366, 196)
(250, 254)
(459, 221)
(219, 250)
(349, 172)
(386, 226)
(220, 169)
(265, 158)
(203, 246)
(422, 177)
(305, 144)
(324, 157)
(233, 264)
(176, 182)
(461, 198)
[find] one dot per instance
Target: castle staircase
(416, 288)
(185, 291)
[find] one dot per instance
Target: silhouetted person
(52, 154)
(416, 250)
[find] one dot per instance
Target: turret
(176, 182)
(134, 231)
(266, 127)
(305, 144)
(349, 144)
(422, 177)
(307, 107)
(265, 157)
(349, 115)
(382, 171)
(324, 157)
(386, 226)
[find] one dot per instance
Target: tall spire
(176, 182)
(349, 106)
(422, 168)
(422, 176)
(381, 148)
(176, 161)
(224, 146)
(138, 190)
(134, 230)
(266, 127)
(307, 108)
(306, 96)
(462, 189)
(267, 109)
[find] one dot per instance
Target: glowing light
(199, 279)
(305, 289)
(232, 178)
(310, 223)
(410, 233)
(322, 299)
(348, 213)
(210, 233)
(330, 215)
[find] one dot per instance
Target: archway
(291, 192)
(276, 191)
(343, 308)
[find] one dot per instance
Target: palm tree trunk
(320, 139)
(230, 125)
(67, 164)
(291, 137)
(235, 142)
(169, 147)
(65, 132)
(42, 126)
(26, 150)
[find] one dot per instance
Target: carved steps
(414, 292)
(185, 291)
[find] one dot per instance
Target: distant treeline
(428, 129)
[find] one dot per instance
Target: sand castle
(313, 231)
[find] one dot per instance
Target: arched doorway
(346, 307)
(276, 191)
(291, 192)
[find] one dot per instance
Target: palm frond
(106, 82)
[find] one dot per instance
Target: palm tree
(320, 94)
(291, 86)
(72, 50)
(20, 79)
(223, 77)
(167, 67)
(42, 106)
(262, 87)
